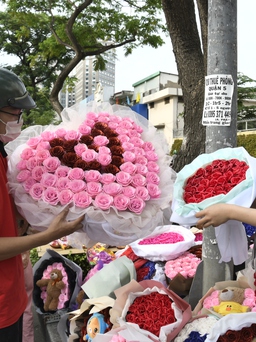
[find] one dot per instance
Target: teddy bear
(54, 285)
(231, 301)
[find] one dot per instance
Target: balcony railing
(246, 125)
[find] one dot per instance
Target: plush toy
(226, 308)
(234, 294)
(96, 324)
(54, 286)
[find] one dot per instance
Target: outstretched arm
(59, 227)
(220, 213)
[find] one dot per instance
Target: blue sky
(146, 61)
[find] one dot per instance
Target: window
(151, 105)
(167, 100)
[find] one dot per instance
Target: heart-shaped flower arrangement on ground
(104, 163)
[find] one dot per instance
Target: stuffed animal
(234, 294)
(226, 308)
(54, 286)
(96, 324)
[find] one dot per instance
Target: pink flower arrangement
(65, 293)
(105, 163)
(186, 265)
(164, 238)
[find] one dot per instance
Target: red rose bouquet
(151, 309)
(224, 176)
(103, 161)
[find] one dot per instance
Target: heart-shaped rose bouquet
(103, 161)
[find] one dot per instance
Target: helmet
(13, 91)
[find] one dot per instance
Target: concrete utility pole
(222, 59)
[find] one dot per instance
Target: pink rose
(123, 178)
(112, 189)
(89, 155)
(60, 133)
(103, 201)
(138, 142)
(139, 151)
(104, 159)
(48, 179)
(94, 188)
(27, 153)
(62, 171)
(136, 205)
(22, 165)
(32, 163)
(121, 131)
(43, 145)
(65, 196)
(138, 180)
(80, 148)
(129, 156)
(148, 146)
(82, 199)
(142, 169)
(151, 156)
(48, 136)
(107, 178)
(123, 138)
(127, 146)
(28, 183)
(139, 129)
(100, 140)
(76, 173)
(36, 191)
(51, 163)
(89, 122)
(84, 129)
(72, 135)
(126, 124)
(50, 195)
(113, 125)
(153, 190)
(121, 202)
(92, 176)
(37, 172)
(42, 154)
(104, 150)
(129, 191)
(103, 118)
(134, 133)
(34, 141)
(77, 185)
(152, 177)
(142, 193)
(128, 167)
(115, 118)
(141, 160)
(92, 116)
(63, 183)
(23, 175)
(153, 167)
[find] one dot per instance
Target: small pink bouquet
(101, 161)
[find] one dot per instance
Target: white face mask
(12, 130)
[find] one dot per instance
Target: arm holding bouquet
(217, 214)
(11, 246)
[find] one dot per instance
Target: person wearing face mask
(13, 298)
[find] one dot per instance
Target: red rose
(57, 151)
(69, 159)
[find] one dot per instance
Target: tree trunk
(182, 26)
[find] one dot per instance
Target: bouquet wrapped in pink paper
(103, 161)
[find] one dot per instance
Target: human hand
(214, 215)
(60, 227)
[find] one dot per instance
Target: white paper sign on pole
(217, 100)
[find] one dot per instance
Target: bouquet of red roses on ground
(103, 161)
(224, 176)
